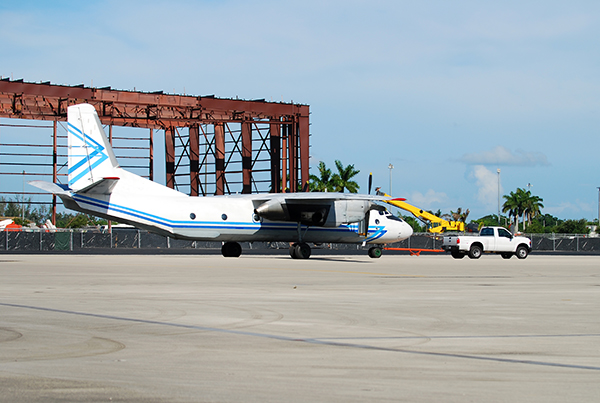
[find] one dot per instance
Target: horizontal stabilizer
(49, 187)
(103, 186)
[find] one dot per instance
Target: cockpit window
(393, 217)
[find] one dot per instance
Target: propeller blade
(370, 182)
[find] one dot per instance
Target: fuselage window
(224, 217)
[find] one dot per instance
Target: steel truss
(212, 145)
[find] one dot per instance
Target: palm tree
(532, 207)
(459, 215)
(344, 176)
(514, 205)
(323, 182)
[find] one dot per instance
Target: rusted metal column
(54, 165)
(304, 135)
(293, 156)
(220, 158)
(284, 154)
(275, 152)
(194, 132)
(247, 157)
(170, 156)
(151, 156)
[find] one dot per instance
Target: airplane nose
(407, 231)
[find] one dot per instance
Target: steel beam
(275, 152)
(170, 156)
(247, 157)
(304, 137)
(194, 133)
(220, 158)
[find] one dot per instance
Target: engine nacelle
(331, 213)
(311, 214)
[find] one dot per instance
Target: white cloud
(571, 210)
(487, 182)
(500, 155)
(428, 200)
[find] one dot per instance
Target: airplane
(97, 185)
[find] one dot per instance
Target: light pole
(598, 227)
(499, 196)
(390, 167)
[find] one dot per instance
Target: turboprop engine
(323, 214)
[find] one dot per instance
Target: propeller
(370, 181)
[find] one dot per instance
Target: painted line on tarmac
(322, 342)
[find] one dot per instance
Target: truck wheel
(522, 252)
(457, 255)
(475, 252)
(506, 255)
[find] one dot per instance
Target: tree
(573, 227)
(323, 182)
(344, 176)
(522, 204)
(532, 207)
(460, 215)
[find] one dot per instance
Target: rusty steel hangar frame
(287, 140)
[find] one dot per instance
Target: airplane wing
(319, 209)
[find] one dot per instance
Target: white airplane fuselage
(99, 186)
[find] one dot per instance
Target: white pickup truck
(490, 240)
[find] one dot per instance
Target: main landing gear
(300, 250)
(231, 249)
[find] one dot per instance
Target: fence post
(139, 239)
(71, 240)
(553, 242)
(41, 240)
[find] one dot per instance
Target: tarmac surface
(190, 328)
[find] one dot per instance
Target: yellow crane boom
(437, 224)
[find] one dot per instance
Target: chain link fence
(77, 240)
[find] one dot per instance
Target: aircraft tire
(231, 249)
(302, 250)
(375, 252)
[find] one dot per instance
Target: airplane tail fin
(91, 158)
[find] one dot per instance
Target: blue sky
(447, 92)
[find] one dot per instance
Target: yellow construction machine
(436, 224)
